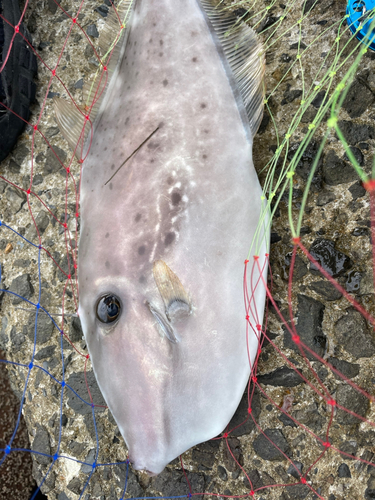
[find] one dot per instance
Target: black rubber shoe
(17, 88)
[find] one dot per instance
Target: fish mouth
(143, 470)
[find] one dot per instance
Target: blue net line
(30, 366)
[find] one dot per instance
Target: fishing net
(304, 428)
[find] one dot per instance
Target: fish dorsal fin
(176, 300)
(112, 41)
(244, 54)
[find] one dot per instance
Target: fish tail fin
(244, 58)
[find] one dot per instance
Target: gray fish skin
(189, 197)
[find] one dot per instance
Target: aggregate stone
(292, 469)
(287, 421)
(241, 415)
(49, 483)
(230, 463)
(358, 155)
(326, 290)
(173, 483)
(309, 326)
(358, 99)
(14, 167)
(324, 198)
(41, 444)
(266, 449)
(330, 259)
(222, 473)
(344, 471)
(319, 99)
(352, 400)
(86, 468)
(306, 162)
(77, 382)
(284, 376)
(17, 339)
(42, 221)
(353, 334)
(45, 328)
(16, 199)
(52, 164)
(75, 332)
(21, 153)
(300, 268)
(92, 31)
(354, 278)
(45, 352)
(133, 488)
(357, 190)
(63, 496)
(102, 10)
(356, 132)
(290, 95)
(21, 286)
(295, 492)
(337, 171)
(349, 370)
(256, 480)
(310, 417)
(52, 131)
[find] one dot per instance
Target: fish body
(168, 235)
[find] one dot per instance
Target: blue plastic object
(362, 13)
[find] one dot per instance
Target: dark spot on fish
(169, 239)
(153, 24)
(105, 149)
(107, 235)
(161, 42)
(134, 52)
(142, 279)
(206, 131)
(105, 129)
(107, 264)
(110, 186)
(160, 54)
(150, 41)
(152, 82)
(170, 181)
(128, 87)
(153, 145)
(141, 250)
(137, 73)
(203, 105)
(193, 33)
(138, 217)
(176, 198)
(135, 43)
(152, 160)
(204, 156)
(165, 82)
(127, 120)
(195, 59)
(161, 124)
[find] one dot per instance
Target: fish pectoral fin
(176, 300)
(164, 324)
(71, 122)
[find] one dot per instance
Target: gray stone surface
(338, 212)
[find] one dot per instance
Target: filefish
(170, 205)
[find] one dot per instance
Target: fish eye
(108, 308)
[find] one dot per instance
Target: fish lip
(142, 469)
